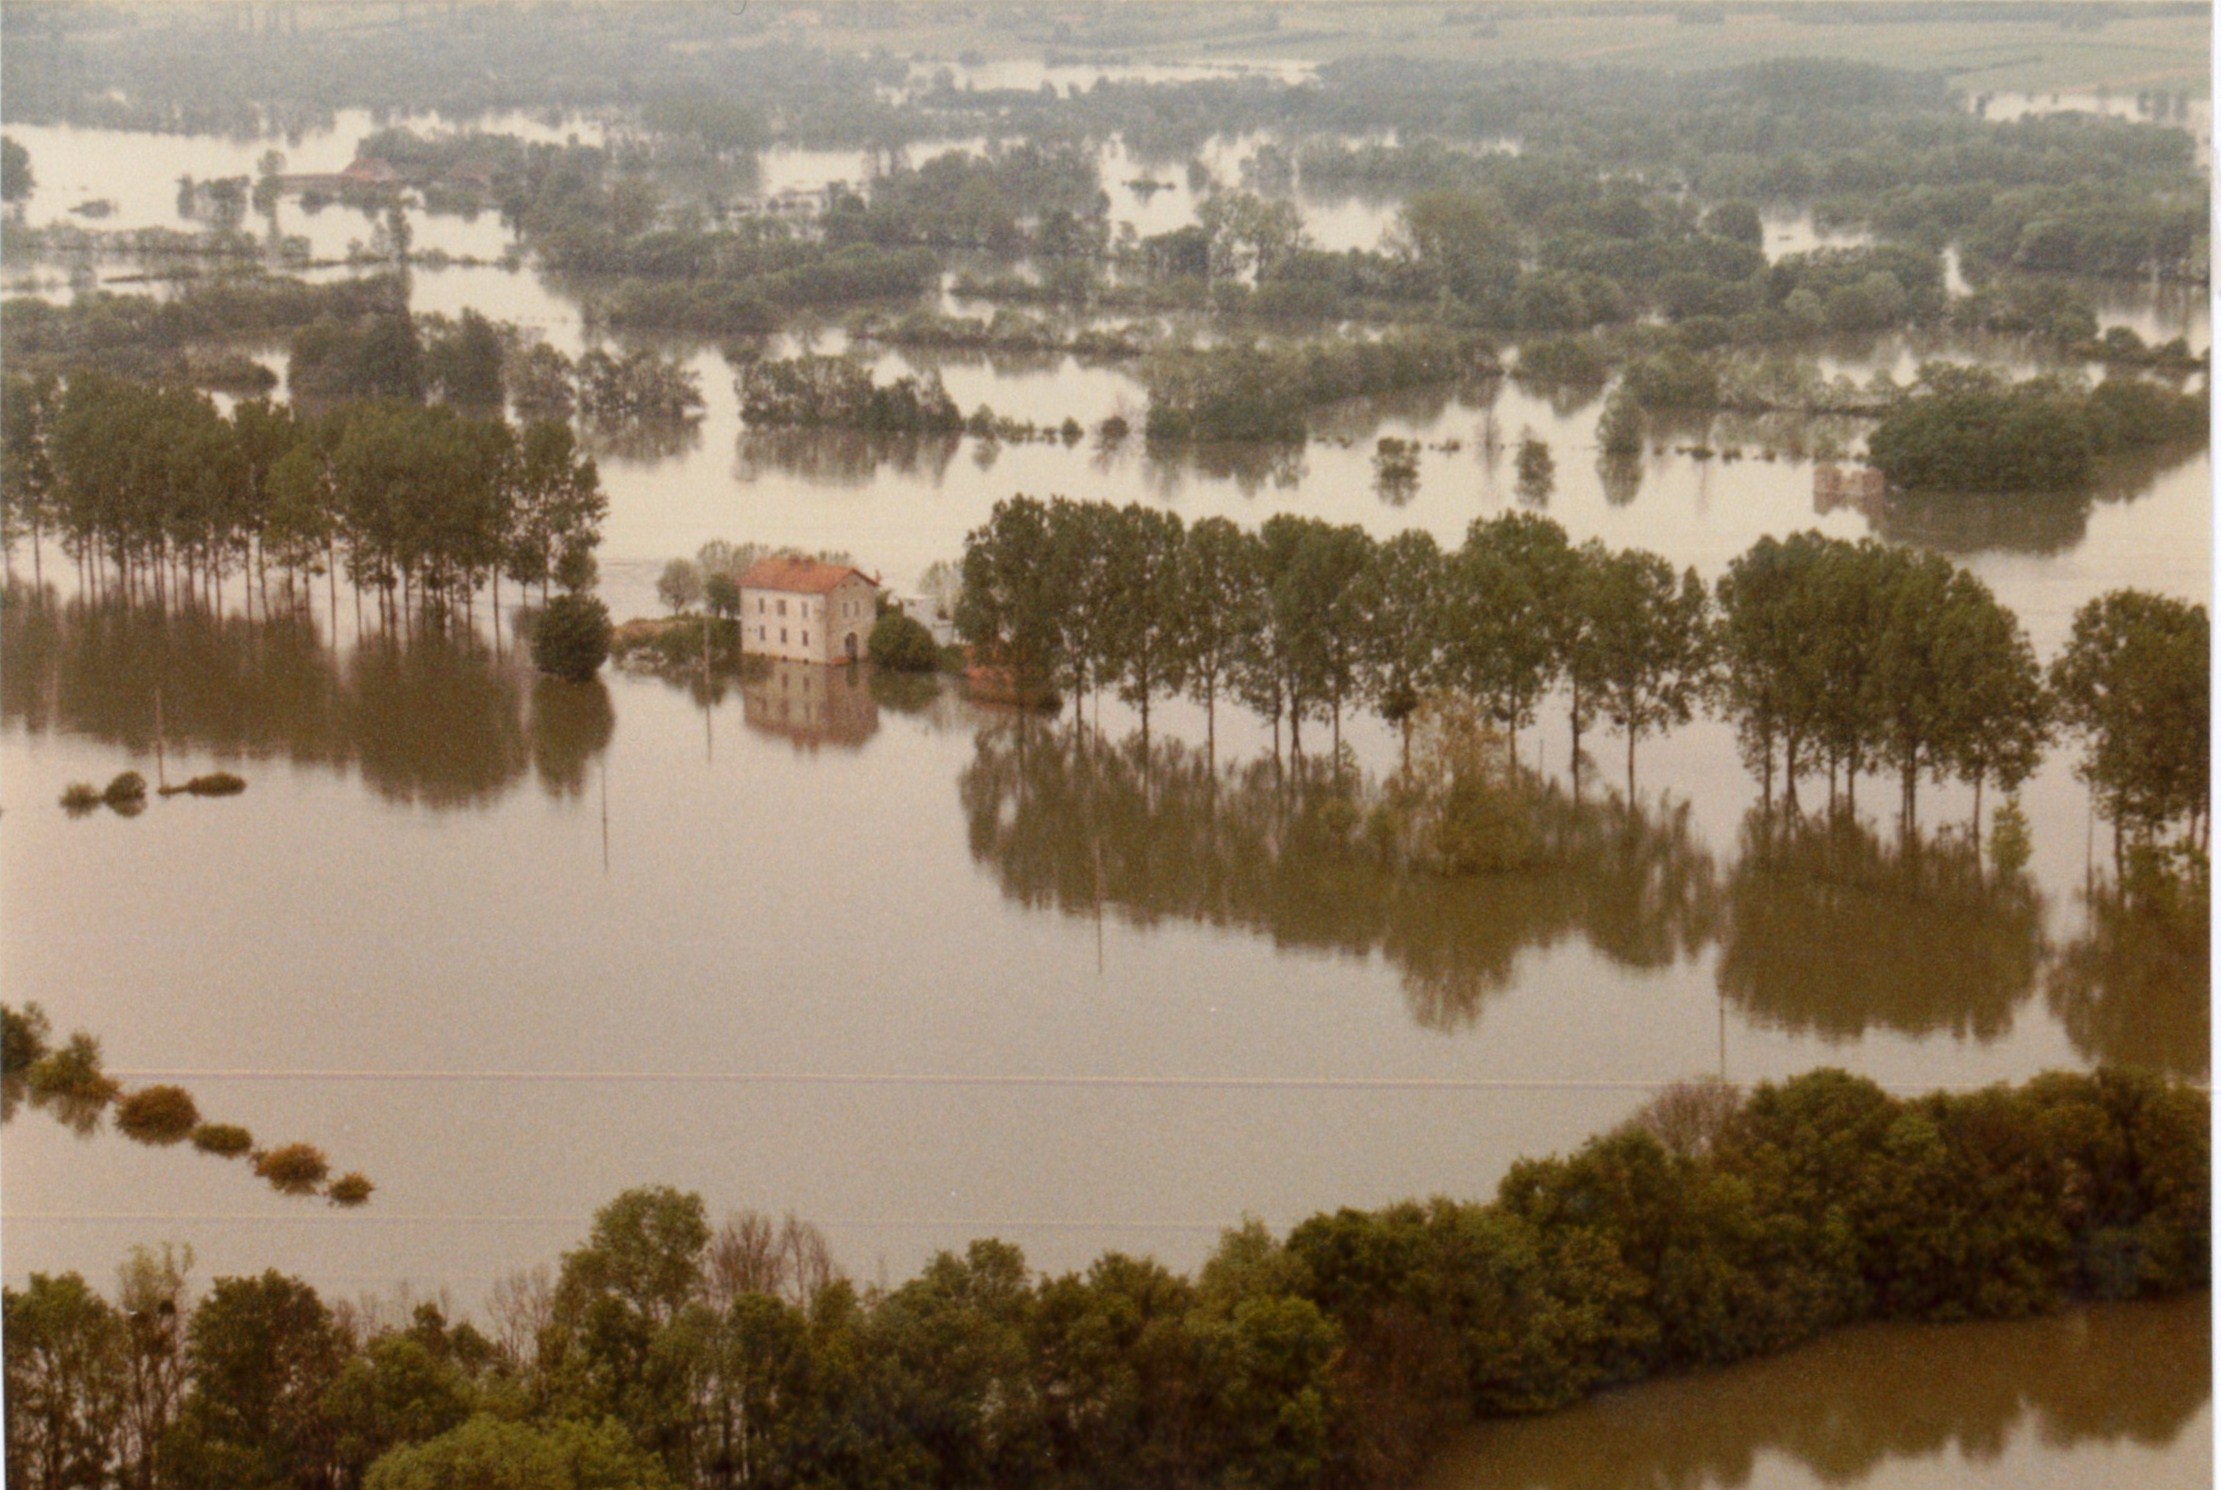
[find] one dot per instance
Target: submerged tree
(2135, 684)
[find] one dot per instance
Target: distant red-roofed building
(368, 170)
(805, 610)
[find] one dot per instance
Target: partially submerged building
(805, 610)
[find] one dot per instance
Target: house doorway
(852, 646)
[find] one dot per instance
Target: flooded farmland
(859, 948)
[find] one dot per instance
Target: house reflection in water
(809, 704)
(1860, 488)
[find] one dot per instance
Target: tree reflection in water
(1822, 927)
(1967, 523)
(1845, 1406)
(1160, 835)
(841, 457)
(2134, 987)
(437, 719)
(1830, 929)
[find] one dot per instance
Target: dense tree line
(1972, 429)
(812, 392)
(1712, 1227)
(153, 491)
(1842, 657)
(147, 336)
(1830, 657)
(1262, 391)
(1043, 199)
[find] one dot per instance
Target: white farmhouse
(801, 610)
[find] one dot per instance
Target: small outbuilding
(804, 610)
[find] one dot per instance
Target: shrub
(158, 1114)
(1970, 430)
(79, 798)
(295, 1169)
(571, 638)
(903, 645)
(216, 784)
(349, 1190)
(23, 1036)
(70, 1083)
(130, 787)
(224, 1140)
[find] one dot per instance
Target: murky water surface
(2111, 1399)
(851, 947)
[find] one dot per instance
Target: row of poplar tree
(154, 491)
(1831, 658)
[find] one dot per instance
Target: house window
(782, 607)
(782, 636)
(759, 633)
(805, 638)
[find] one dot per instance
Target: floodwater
(2107, 1399)
(846, 946)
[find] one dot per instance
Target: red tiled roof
(801, 576)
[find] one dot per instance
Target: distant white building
(801, 610)
(926, 613)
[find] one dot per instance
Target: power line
(976, 1079)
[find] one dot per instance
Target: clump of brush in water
(214, 784)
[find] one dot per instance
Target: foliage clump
(294, 1169)
(902, 644)
(570, 640)
(79, 798)
(158, 1115)
(224, 1140)
(69, 1082)
(350, 1190)
(1969, 429)
(127, 789)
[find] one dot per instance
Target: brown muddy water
(2106, 1399)
(834, 944)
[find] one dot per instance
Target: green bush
(349, 1190)
(570, 640)
(79, 798)
(215, 784)
(902, 645)
(157, 1114)
(127, 788)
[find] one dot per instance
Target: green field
(2132, 47)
